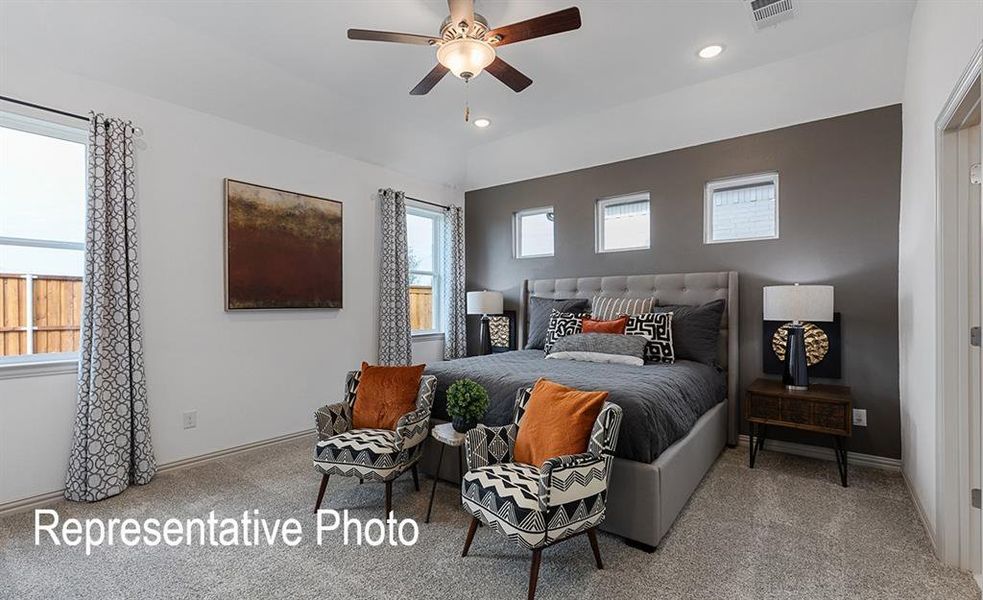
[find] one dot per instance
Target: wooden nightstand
(820, 409)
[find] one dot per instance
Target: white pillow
(598, 357)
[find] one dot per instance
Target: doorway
(959, 370)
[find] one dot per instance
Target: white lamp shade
(484, 303)
(798, 302)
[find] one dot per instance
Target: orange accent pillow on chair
(558, 421)
(589, 325)
(384, 394)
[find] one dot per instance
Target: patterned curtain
(454, 299)
(395, 342)
(112, 446)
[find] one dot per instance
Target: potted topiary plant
(467, 402)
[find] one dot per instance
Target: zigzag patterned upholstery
(536, 506)
(371, 454)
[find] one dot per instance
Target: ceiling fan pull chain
(467, 100)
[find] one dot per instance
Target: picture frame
(502, 331)
(282, 249)
(823, 348)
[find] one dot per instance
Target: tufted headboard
(676, 288)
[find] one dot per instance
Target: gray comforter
(661, 402)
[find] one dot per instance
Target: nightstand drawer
(798, 412)
(832, 416)
(764, 408)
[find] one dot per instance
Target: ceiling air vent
(765, 13)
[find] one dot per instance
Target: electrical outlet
(190, 419)
(860, 417)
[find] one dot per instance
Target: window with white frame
(623, 223)
(532, 232)
(741, 209)
(424, 252)
(42, 235)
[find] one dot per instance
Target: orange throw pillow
(384, 394)
(558, 421)
(589, 325)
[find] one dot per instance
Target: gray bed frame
(644, 499)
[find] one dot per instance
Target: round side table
(447, 436)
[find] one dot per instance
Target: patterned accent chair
(537, 507)
(371, 454)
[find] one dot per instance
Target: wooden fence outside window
(39, 314)
(421, 308)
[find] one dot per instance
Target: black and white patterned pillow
(561, 324)
(657, 328)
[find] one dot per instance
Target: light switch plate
(860, 417)
(190, 419)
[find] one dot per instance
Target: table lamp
(485, 303)
(797, 303)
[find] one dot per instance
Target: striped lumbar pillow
(605, 308)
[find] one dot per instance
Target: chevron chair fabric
(538, 506)
(371, 454)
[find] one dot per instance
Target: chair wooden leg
(416, 478)
(389, 497)
(471, 529)
(592, 536)
(537, 555)
(320, 493)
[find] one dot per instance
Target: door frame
(953, 534)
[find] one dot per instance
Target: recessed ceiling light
(482, 122)
(711, 51)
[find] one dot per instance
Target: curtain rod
(47, 108)
(430, 203)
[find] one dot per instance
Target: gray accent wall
(838, 215)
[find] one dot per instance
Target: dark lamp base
(796, 374)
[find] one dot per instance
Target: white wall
(250, 375)
(943, 38)
(848, 77)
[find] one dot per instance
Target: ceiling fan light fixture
(482, 122)
(465, 57)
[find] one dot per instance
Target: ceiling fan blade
(508, 75)
(461, 10)
(558, 22)
(391, 36)
(427, 83)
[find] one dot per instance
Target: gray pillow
(601, 347)
(539, 317)
(696, 330)
(607, 343)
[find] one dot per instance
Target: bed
(677, 418)
(660, 402)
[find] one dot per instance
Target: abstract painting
(282, 249)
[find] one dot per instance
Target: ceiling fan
(466, 44)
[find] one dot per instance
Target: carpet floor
(783, 530)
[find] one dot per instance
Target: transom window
(623, 223)
(425, 256)
(741, 209)
(42, 234)
(533, 232)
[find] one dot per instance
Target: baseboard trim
(823, 453)
(922, 515)
(194, 460)
(42, 500)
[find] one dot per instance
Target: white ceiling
(288, 68)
